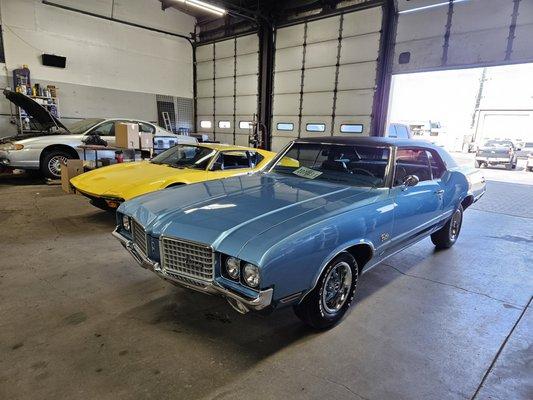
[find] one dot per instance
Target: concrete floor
(80, 320)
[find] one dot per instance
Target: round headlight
(126, 223)
(233, 267)
(251, 275)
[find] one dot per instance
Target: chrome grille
(139, 235)
(188, 259)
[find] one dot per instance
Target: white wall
(101, 53)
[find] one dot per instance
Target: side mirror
(411, 180)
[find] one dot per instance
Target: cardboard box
(68, 171)
(147, 141)
(127, 135)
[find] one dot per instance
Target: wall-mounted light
(204, 6)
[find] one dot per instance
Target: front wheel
(51, 163)
(446, 236)
(327, 303)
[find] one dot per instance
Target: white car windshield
(350, 164)
(79, 127)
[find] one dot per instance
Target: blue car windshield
(349, 164)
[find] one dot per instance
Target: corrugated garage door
(226, 88)
(325, 76)
(433, 34)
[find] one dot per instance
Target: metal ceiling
(245, 16)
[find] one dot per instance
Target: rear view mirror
(411, 180)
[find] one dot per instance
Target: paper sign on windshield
(308, 173)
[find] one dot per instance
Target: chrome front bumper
(240, 303)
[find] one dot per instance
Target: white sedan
(51, 142)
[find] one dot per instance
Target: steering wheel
(364, 171)
(401, 172)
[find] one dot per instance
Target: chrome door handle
(439, 192)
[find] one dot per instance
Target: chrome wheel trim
(336, 287)
(455, 225)
(54, 164)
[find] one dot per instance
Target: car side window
(255, 158)
(228, 160)
(411, 161)
(392, 131)
(437, 165)
(146, 128)
(105, 129)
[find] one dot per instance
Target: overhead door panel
(227, 88)
(325, 76)
(462, 34)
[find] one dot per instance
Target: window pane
(352, 128)
(392, 131)
(437, 166)
(146, 128)
(245, 125)
(285, 126)
(184, 156)
(351, 165)
(224, 124)
(233, 160)
(411, 162)
(106, 129)
(402, 132)
(206, 124)
(316, 127)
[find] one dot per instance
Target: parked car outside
(399, 131)
(497, 152)
(180, 165)
(526, 148)
(529, 164)
(302, 231)
(51, 142)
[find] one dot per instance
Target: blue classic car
(303, 230)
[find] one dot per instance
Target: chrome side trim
(263, 299)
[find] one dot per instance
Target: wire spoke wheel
(337, 287)
(54, 164)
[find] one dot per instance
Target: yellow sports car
(180, 165)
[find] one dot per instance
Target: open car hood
(34, 110)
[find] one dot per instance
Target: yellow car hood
(127, 180)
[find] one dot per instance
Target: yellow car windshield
(186, 156)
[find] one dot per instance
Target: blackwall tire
(446, 236)
(327, 303)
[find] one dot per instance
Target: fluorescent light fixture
(204, 6)
(444, 3)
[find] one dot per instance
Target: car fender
(340, 249)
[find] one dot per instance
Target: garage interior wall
(112, 69)
(435, 35)
(325, 75)
(227, 88)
